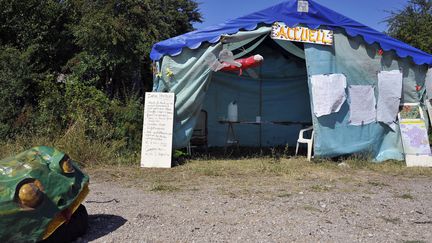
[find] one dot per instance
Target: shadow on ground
(103, 224)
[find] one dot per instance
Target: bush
(80, 120)
(15, 94)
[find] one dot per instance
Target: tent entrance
(280, 97)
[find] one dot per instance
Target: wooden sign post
(156, 150)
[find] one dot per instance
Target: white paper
(428, 83)
(156, 148)
(362, 104)
(389, 95)
(328, 93)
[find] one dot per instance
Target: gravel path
(219, 209)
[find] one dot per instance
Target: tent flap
(188, 76)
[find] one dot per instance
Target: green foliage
(15, 96)
(413, 24)
(179, 154)
(115, 37)
(73, 72)
(37, 27)
(127, 120)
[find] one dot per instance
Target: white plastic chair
(309, 142)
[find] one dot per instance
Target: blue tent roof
(287, 12)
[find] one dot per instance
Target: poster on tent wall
(156, 147)
(429, 110)
(280, 31)
(428, 84)
(414, 135)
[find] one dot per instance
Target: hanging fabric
(291, 48)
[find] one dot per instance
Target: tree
(115, 38)
(38, 28)
(67, 60)
(15, 96)
(413, 24)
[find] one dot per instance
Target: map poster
(156, 147)
(415, 139)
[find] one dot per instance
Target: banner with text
(302, 34)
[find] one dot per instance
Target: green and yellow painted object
(40, 189)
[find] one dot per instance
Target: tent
(283, 91)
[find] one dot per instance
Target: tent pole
(260, 105)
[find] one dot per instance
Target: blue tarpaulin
(286, 12)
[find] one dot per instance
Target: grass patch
(250, 173)
(207, 169)
(311, 208)
(284, 195)
(391, 167)
(320, 188)
(406, 196)
(391, 220)
(77, 144)
(378, 184)
(159, 187)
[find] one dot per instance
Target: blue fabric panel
(287, 12)
(225, 88)
(360, 63)
(284, 98)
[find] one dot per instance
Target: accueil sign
(302, 34)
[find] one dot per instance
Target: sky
(368, 12)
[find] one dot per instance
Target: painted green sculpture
(41, 191)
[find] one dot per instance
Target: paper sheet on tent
(328, 93)
(428, 83)
(362, 104)
(389, 95)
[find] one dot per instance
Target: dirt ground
(349, 206)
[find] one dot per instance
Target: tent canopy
(282, 92)
(286, 12)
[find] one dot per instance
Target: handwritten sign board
(156, 148)
(414, 135)
(302, 34)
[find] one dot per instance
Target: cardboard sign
(302, 34)
(156, 150)
(414, 135)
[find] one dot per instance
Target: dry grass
(406, 196)
(253, 172)
(160, 187)
(76, 143)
